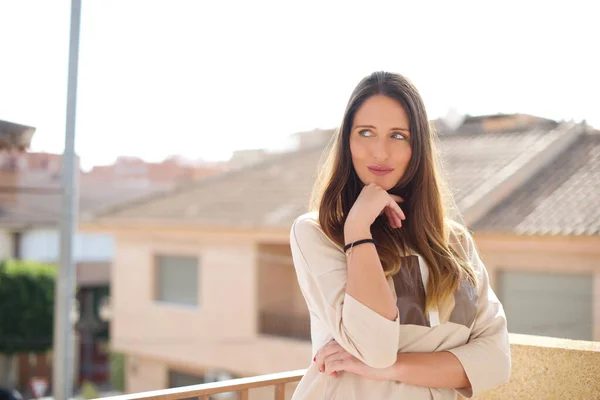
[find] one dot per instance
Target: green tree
(26, 309)
(117, 371)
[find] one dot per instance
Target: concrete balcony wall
(550, 368)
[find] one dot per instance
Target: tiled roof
(269, 194)
(563, 199)
(473, 161)
(42, 205)
(274, 193)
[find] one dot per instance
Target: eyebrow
(393, 129)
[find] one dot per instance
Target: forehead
(381, 110)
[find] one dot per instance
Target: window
(548, 304)
(177, 280)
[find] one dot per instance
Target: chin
(387, 187)
(386, 183)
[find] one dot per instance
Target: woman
(399, 300)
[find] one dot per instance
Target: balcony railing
(542, 368)
(203, 391)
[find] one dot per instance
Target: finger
(342, 355)
(391, 217)
(335, 367)
(396, 208)
(326, 348)
(339, 355)
(332, 361)
(393, 204)
(397, 199)
(398, 219)
(395, 216)
(326, 351)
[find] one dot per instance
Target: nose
(380, 149)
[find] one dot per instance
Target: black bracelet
(346, 247)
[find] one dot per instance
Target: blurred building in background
(30, 211)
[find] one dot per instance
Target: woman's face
(380, 142)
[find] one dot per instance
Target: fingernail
(315, 359)
(320, 370)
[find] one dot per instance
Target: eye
(398, 135)
(365, 133)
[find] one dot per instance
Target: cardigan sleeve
(322, 275)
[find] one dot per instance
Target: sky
(204, 78)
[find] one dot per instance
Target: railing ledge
(205, 389)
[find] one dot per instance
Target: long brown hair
(426, 229)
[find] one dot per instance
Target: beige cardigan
(474, 330)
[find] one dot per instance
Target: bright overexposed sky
(204, 78)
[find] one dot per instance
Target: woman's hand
(332, 359)
(372, 202)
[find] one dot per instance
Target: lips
(378, 170)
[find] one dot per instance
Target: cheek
(356, 151)
(408, 156)
(403, 156)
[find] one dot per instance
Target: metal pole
(63, 355)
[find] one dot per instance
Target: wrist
(397, 370)
(354, 232)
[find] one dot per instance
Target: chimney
(314, 138)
